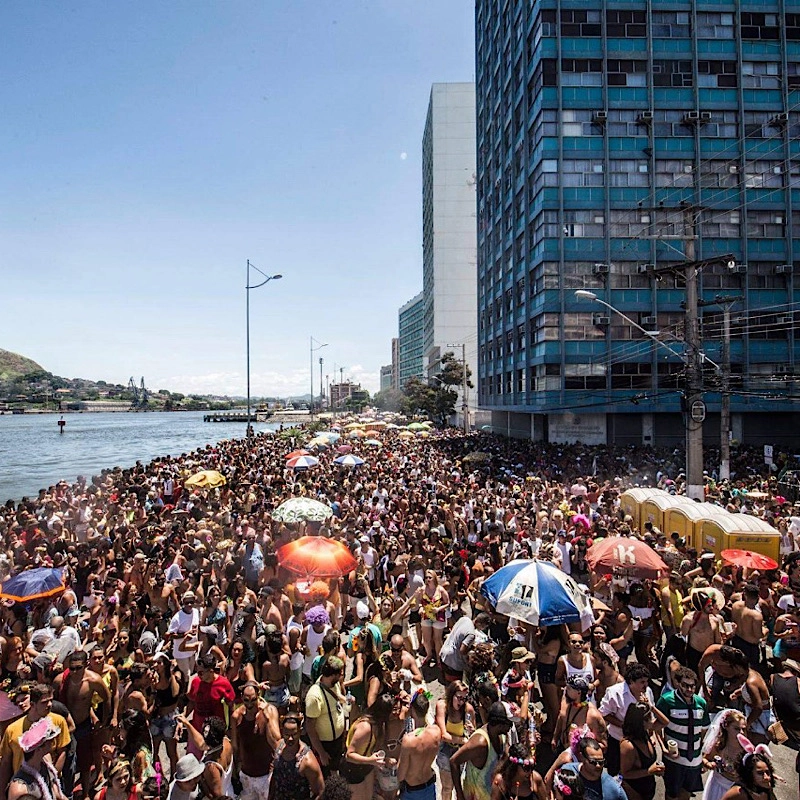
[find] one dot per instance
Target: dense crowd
(180, 659)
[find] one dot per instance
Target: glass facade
(608, 135)
(410, 319)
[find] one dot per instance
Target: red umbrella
(296, 453)
(316, 557)
(749, 559)
(631, 555)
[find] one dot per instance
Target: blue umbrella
(537, 592)
(33, 584)
(349, 460)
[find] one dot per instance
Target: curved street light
(248, 287)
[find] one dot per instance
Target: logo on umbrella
(626, 554)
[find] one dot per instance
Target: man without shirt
(749, 621)
(75, 688)
(418, 751)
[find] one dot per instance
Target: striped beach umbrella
(537, 592)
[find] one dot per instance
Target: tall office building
(448, 226)
(410, 331)
(618, 140)
(386, 377)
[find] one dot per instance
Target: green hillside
(13, 365)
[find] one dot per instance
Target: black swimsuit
(646, 786)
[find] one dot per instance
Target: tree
(452, 371)
(389, 400)
(438, 398)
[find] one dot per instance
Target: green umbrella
(416, 426)
(299, 509)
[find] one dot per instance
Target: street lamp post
(248, 287)
(311, 351)
(693, 361)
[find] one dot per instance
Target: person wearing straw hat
(37, 777)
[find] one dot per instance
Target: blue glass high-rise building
(612, 138)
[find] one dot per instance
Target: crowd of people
(180, 658)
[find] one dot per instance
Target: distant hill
(13, 365)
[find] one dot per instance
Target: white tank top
(586, 671)
(227, 779)
(296, 661)
(313, 641)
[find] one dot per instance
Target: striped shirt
(687, 726)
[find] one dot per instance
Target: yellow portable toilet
(740, 532)
(654, 508)
(632, 500)
(685, 519)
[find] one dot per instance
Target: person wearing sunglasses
(689, 720)
(517, 778)
(597, 783)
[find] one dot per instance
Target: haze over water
(34, 455)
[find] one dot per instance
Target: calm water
(33, 455)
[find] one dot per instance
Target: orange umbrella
(296, 453)
(316, 557)
(748, 559)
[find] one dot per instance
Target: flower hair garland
(526, 762)
(562, 787)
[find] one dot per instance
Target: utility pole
(464, 384)
(465, 405)
(725, 400)
(725, 383)
(695, 407)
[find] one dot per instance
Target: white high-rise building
(449, 232)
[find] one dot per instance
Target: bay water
(34, 455)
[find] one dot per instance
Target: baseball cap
(498, 715)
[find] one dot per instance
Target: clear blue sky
(150, 148)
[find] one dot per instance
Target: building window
(626, 24)
(584, 376)
(626, 72)
(674, 172)
(714, 25)
(581, 23)
(718, 175)
(717, 74)
(671, 24)
(761, 75)
(675, 74)
(763, 175)
(628, 172)
(632, 376)
(760, 26)
(766, 224)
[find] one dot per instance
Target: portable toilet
(740, 532)
(631, 502)
(654, 508)
(685, 519)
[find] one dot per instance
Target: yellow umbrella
(378, 424)
(205, 479)
(405, 435)
(351, 425)
(319, 441)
